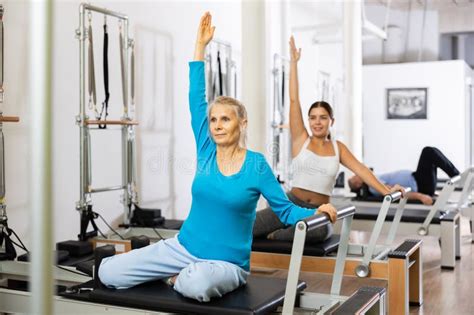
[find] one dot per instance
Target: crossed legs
(197, 278)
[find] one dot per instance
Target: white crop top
(314, 172)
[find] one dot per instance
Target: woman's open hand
(295, 53)
(205, 30)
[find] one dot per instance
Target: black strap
(282, 87)
(88, 216)
(219, 72)
(105, 104)
(7, 242)
(235, 83)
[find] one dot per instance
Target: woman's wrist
(200, 46)
(199, 51)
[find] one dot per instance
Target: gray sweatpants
(267, 224)
(197, 278)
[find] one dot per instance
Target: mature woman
(316, 159)
(211, 254)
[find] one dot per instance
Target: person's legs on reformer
(426, 173)
(204, 280)
(268, 225)
(157, 261)
(198, 279)
(266, 222)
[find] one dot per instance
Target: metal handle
(396, 195)
(318, 220)
(454, 180)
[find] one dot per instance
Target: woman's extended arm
(197, 85)
(349, 161)
(287, 212)
(297, 128)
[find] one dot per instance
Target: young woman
(211, 254)
(316, 159)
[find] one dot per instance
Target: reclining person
(316, 160)
(422, 182)
(211, 254)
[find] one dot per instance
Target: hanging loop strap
(282, 89)
(122, 69)
(132, 72)
(92, 89)
(219, 69)
(105, 105)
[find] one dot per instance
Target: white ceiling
(419, 4)
(326, 8)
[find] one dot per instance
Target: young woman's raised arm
(297, 128)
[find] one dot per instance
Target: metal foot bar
(302, 227)
(440, 204)
(466, 190)
(363, 269)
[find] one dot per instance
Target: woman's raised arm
(197, 85)
(297, 128)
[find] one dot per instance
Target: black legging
(430, 159)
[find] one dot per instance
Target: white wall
(396, 144)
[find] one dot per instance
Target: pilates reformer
(261, 295)
(463, 197)
(11, 269)
(401, 266)
(18, 270)
(437, 219)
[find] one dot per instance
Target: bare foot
(171, 280)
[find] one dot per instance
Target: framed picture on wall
(407, 103)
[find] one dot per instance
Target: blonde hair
(240, 111)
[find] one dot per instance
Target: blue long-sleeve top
(223, 209)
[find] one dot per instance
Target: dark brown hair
(326, 106)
